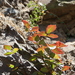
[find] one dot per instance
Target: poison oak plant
(48, 54)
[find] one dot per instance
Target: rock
(70, 46)
(44, 1)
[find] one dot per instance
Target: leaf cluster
(47, 53)
(37, 13)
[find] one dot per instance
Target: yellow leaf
(7, 47)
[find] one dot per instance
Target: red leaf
(36, 29)
(52, 36)
(57, 51)
(26, 23)
(42, 33)
(60, 44)
(50, 28)
(31, 38)
(65, 68)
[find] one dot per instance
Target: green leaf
(33, 58)
(11, 66)
(53, 66)
(37, 38)
(15, 50)
(47, 50)
(51, 61)
(7, 47)
(15, 68)
(42, 42)
(39, 54)
(54, 73)
(20, 49)
(8, 53)
(45, 70)
(48, 62)
(52, 55)
(35, 73)
(40, 73)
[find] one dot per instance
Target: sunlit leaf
(33, 58)
(51, 60)
(42, 33)
(41, 48)
(15, 50)
(50, 28)
(8, 53)
(11, 66)
(53, 66)
(26, 23)
(52, 35)
(65, 68)
(20, 49)
(54, 73)
(7, 47)
(60, 44)
(57, 51)
(57, 56)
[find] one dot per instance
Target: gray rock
(44, 1)
(70, 46)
